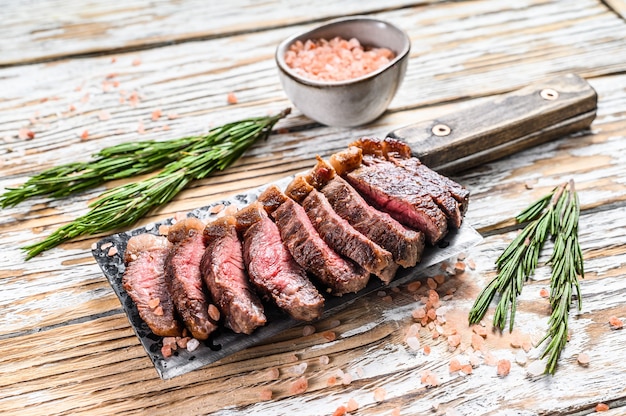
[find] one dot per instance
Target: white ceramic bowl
(356, 101)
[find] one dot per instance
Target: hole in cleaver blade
(226, 342)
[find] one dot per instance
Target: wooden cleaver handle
(502, 125)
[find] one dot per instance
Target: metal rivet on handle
(441, 130)
(549, 94)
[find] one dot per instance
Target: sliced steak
(272, 269)
(224, 274)
(438, 181)
(308, 249)
(182, 274)
(400, 153)
(144, 281)
(405, 245)
(393, 190)
(439, 194)
(346, 240)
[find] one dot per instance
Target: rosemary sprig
(555, 214)
(122, 161)
(518, 261)
(567, 267)
(124, 205)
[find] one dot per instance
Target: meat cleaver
(502, 125)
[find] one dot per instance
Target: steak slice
(439, 194)
(405, 245)
(184, 281)
(144, 281)
(450, 196)
(393, 190)
(424, 173)
(271, 268)
(224, 274)
(346, 240)
(337, 274)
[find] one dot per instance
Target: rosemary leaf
(124, 205)
(567, 267)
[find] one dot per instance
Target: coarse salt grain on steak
(272, 269)
(183, 277)
(308, 249)
(144, 281)
(225, 276)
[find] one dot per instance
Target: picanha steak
(369, 210)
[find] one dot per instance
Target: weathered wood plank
(55, 29)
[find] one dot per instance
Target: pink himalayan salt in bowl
(348, 72)
(336, 59)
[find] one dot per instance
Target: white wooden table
(81, 76)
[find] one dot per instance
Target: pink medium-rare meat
(184, 279)
(224, 273)
(400, 153)
(405, 245)
(144, 281)
(346, 240)
(391, 189)
(439, 195)
(272, 269)
(337, 274)
(443, 183)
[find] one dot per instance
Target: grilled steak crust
(272, 198)
(438, 181)
(298, 189)
(400, 153)
(385, 149)
(393, 190)
(346, 240)
(144, 281)
(224, 274)
(405, 245)
(440, 195)
(337, 274)
(183, 278)
(273, 271)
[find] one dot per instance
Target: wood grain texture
(81, 28)
(68, 348)
(619, 6)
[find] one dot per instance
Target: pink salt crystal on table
(615, 322)
(503, 367)
(300, 385)
(352, 405)
(265, 394)
(454, 365)
(336, 59)
(379, 394)
(308, 330)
